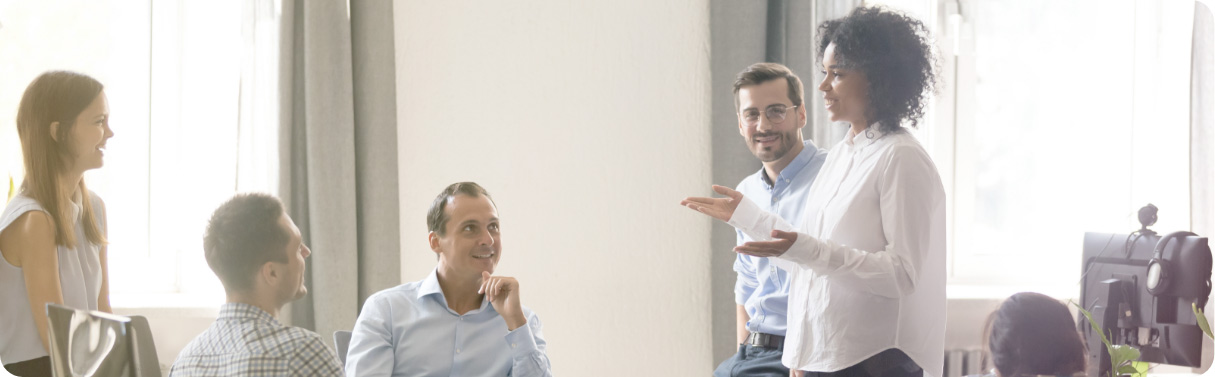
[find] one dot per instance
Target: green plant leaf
(1127, 369)
(1093, 323)
(1124, 353)
(1202, 320)
(1113, 361)
(1142, 368)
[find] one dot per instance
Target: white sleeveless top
(79, 276)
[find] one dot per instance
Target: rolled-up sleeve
(528, 350)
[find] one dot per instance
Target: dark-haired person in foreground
(461, 320)
(867, 266)
(256, 251)
(1034, 335)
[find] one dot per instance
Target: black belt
(759, 339)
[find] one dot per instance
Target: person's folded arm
(529, 350)
(911, 201)
(371, 351)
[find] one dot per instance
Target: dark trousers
(888, 363)
(40, 367)
(753, 361)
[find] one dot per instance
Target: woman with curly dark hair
(867, 267)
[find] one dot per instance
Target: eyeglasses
(775, 114)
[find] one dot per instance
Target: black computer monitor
(1142, 297)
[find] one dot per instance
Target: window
(193, 95)
(1055, 119)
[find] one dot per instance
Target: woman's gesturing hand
(720, 208)
(781, 243)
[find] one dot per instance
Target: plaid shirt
(247, 341)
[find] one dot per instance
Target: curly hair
(895, 53)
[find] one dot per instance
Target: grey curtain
(339, 154)
(742, 33)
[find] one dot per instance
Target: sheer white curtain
(214, 126)
(1202, 133)
(188, 85)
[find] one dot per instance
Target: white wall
(587, 122)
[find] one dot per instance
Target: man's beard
(784, 145)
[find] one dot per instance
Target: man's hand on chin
(503, 294)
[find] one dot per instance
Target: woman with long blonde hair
(52, 233)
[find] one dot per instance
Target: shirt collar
(866, 137)
(430, 285)
(240, 310)
(794, 167)
(799, 162)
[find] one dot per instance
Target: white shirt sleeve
(909, 201)
(759, 224)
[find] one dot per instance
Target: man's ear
(54, 131)
(801, 114)
(433, 238)
(269, 273)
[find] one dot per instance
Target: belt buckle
(757, 339)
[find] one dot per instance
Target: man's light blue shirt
(408, 330)
(762, 288)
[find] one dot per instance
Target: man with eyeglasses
(771, 116)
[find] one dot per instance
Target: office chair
(88, 343)
(147, 363)
(341, 339)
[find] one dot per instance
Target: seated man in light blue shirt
(460, 320)
(771, 115)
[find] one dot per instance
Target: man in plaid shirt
(256, 251)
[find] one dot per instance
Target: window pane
(38, 36)
(1052, 133)
(195, 102)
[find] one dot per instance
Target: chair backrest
(341, 339)
(147, 364)
(88, 343)
(93, 343)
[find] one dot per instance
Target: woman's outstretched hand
(720, 208)
(778, 246)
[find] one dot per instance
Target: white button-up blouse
(867, 271)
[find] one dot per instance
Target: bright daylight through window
(188, 84)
